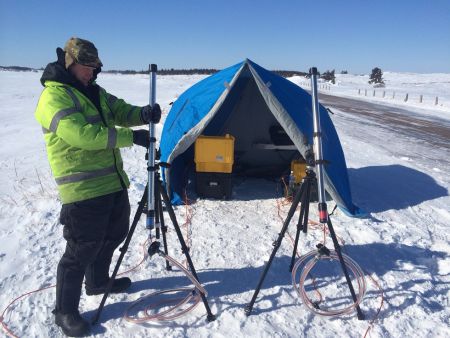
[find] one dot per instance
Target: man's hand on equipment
(149, 113)
(141, 137)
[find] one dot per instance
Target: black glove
(149, 113)
(141, 137)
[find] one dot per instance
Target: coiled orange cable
(311, 258)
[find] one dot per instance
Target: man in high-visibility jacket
(79, 119)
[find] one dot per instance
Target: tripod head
(309, 158)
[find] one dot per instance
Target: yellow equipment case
(299, 170)
(214, 154)
(214, 158)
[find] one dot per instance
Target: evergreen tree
(377, 77)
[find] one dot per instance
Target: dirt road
(430, 129)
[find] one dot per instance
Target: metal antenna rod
(151, 153)
(323, 214)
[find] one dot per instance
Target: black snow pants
(93, 229)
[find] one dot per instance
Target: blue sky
(354, 35)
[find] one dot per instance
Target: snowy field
(404, 244)
(397, 85)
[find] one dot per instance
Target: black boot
(72, 324)
(119, 285)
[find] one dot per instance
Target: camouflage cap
(82, 52)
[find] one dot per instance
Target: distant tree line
(20, 69)
(376, 78)
(169, 71)
(289, 73)
(201, 71)
(328, 75)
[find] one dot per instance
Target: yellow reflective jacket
(83, 143)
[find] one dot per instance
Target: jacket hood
(56, 71)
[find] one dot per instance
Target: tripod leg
(122, 250)
(184, 247)
(337, 247)
(308, 193)
(295, 202)
(304, 203)
(157, 214)
(163, 228)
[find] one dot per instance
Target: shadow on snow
(381, 188)
(377, 258)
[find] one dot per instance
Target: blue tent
(246, 101)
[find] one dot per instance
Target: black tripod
(154, 248)
(303, 196)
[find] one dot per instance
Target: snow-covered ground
(404, 244)
(397, 85)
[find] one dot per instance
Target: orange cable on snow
(189, 215)
(312, 225)
(311, 258)
(2, 317)
(381, 295)
(144, 256)
(193, 296)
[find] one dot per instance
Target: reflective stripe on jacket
(83, 146)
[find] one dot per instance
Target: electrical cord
(2, 317)
(193, 293)
(309, 260)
